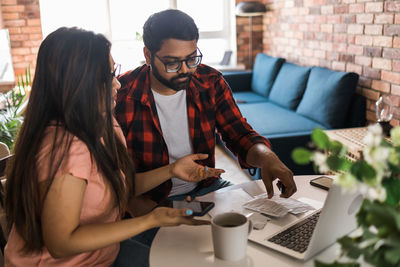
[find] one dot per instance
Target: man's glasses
(176, 65)
(117, 70)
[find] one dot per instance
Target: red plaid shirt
(210, 108)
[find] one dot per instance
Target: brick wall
(22, 19)
(362, 36)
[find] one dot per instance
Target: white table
(192, 245)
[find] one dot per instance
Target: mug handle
(250, 226)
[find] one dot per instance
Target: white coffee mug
(229, 233)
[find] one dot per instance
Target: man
(172, 107)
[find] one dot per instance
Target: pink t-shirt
(98, 207)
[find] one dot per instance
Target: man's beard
(172, 83)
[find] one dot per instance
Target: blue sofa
(285, 102)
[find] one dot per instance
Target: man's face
(173, 50)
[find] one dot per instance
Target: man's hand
(187, 169)
(272, 168)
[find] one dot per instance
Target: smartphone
(199, 208)
(323, 182)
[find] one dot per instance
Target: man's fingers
(269, 187)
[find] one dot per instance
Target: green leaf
(392, 186)
(301, 156)
(363, 171)
(336, 264)
(320, 138)
(337, 148)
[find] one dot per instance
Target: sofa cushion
(264, 72)
(248, 97)
(270, 119)
(327, 96)
(289, 85)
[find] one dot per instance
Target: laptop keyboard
(297, 237)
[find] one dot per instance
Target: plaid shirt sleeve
(238, 135)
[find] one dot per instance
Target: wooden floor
(233, 172)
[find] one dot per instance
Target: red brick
(349, 18)
(396, 66)
(326, 10)
(10, 16)
(32, 43)
(371, 94)
(364, 40)
(384, 18)
(373, 29)
(14, 30)
(326, 46)
(8, 2)
(365, 18)
(340, 38)
(392, 30)
(340, 47)
(15, 44)
(371, 73)
(373, 51)
(18, 37)
(346, 58)
(392, 6)
(14, 23)
(339, 28)
(334, 19)
(362, 60)
(20, 51)
(355, 28)
(351, 39)
(38, 36)
(32, 29)
(384, 41)
(13, 8)
(381, 63)
(342, 9)
(356, 8)
(354, 68)
(319, 54)
(392, 77)
(374, 7)
(395, 89)
(339, 66)
(355, 49)
(397, 19)
(34, 22)
(391, 53)
(332, 56)
(381, 86)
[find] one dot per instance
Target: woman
(71, 178)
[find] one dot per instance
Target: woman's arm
(184, 168)
(63, 234)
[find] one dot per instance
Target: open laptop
(335, 219)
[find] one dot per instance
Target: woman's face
(115, 68)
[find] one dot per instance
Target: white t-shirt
(172, 113)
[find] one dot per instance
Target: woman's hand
(187, 169)
(163, 216)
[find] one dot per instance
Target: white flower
(320, 160)
(374, 135)
(377, 194)
(347, 180)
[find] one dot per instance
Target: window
(122, 22)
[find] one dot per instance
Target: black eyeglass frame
(117, 70)
(198, 62)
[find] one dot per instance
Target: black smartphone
(199, 208)
(323, 182)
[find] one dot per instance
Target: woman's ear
(147, 55)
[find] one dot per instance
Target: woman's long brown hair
(71, 87)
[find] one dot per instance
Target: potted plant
(12, 106)
(377, 174)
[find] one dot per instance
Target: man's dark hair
(170, 23)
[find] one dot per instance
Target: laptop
(304, 237)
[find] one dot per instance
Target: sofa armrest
(238, 81)
(356, 114)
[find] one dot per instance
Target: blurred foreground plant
(377, 175)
